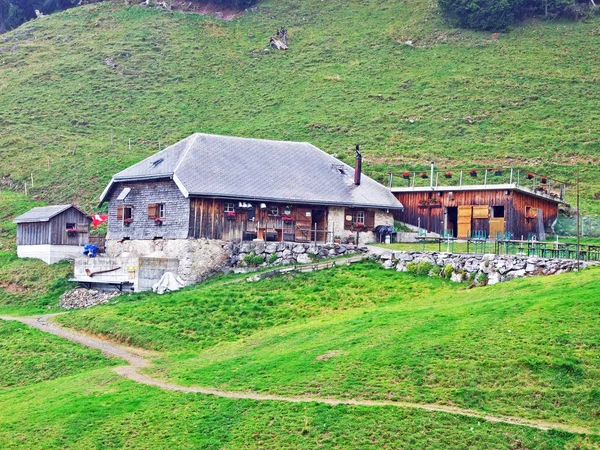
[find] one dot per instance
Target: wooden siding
(54, 231)
(434, 217)
(208, 219)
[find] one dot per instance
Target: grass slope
(527, 348)
(100, 410)
(67, 117)
(30, 356)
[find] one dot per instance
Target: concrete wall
(177, 211)
(50, 254)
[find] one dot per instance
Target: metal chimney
(357, 166)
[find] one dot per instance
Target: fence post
(460, 180)
(485, 177)
(511, 175)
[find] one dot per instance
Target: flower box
(497, 172)
(406, 175)
(72, 231)
(158, 221)
(288, 219)
(544, 180)
(448, 174)
(424, 175)
(530, 176)
(473, 173)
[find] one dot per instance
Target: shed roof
(44, 213)
(258, 169)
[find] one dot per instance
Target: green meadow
(89, 91)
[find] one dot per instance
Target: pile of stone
(282, 253)
(85, 298)
(481, 268)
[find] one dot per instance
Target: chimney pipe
(357, 166)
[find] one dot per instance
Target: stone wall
(480, 268)
(335, 224)
(198, 258)
(280, 253)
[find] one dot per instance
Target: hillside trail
(140, 359)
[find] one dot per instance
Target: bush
(448, 271)
(253, 260)
(498, 14)
(421, 269)
(273, 258)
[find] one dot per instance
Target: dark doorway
(497, 211)
(452, 220)
(318, 223)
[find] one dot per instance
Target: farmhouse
(52, 233)
(231, 188)
(508, 204)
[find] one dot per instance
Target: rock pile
(479, 268)
(85, 298)
(282, 253)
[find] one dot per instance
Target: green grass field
(528, 99)
(528, 348)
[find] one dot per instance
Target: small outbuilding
(52, 233)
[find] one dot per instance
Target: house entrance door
(465, 214)
(318, 224)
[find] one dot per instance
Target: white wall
(50, 254)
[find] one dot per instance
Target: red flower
(448, 174)
(406, 175)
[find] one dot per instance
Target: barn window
(273, 211)
(156, 211)
(497, 211)
(229, 207)
(125, 213)
(71, 226)
(530, 212)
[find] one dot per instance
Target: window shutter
(347, 223)
(370, 219)
(120, 212)
(152, 211)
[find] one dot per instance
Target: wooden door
(303, 224)
(465, 214)
(496, 227)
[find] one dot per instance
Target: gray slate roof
(258, 169)
(43, 213)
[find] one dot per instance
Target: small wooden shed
(52, 233)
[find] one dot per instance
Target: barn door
(497, 227)
(465, 214)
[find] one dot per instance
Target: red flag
(98, 219)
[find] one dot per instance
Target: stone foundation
(198, 258)
(479, 268)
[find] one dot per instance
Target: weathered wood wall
(431, 217)
(142, 194)
(55, 230)
(208, 219)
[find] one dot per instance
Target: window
(273, 211)
(358, 217)
(229, 207)
(156, 211)
(497, 211)
(71, 226)
(125, 213)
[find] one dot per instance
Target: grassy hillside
(76, 86)
(379, 334)
(100, 410)
(29, 357)
(528, 347)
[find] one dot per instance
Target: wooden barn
(231, 188)
(52, 233)
(484, 209)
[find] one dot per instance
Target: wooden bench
(88, 283)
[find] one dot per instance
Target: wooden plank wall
(209, 220)
(55, 231)
(33, 233)
(515, 203)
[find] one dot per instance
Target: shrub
(421, 269)
(448, 271)
(253, 260)
(273, 258)
(498, 14)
